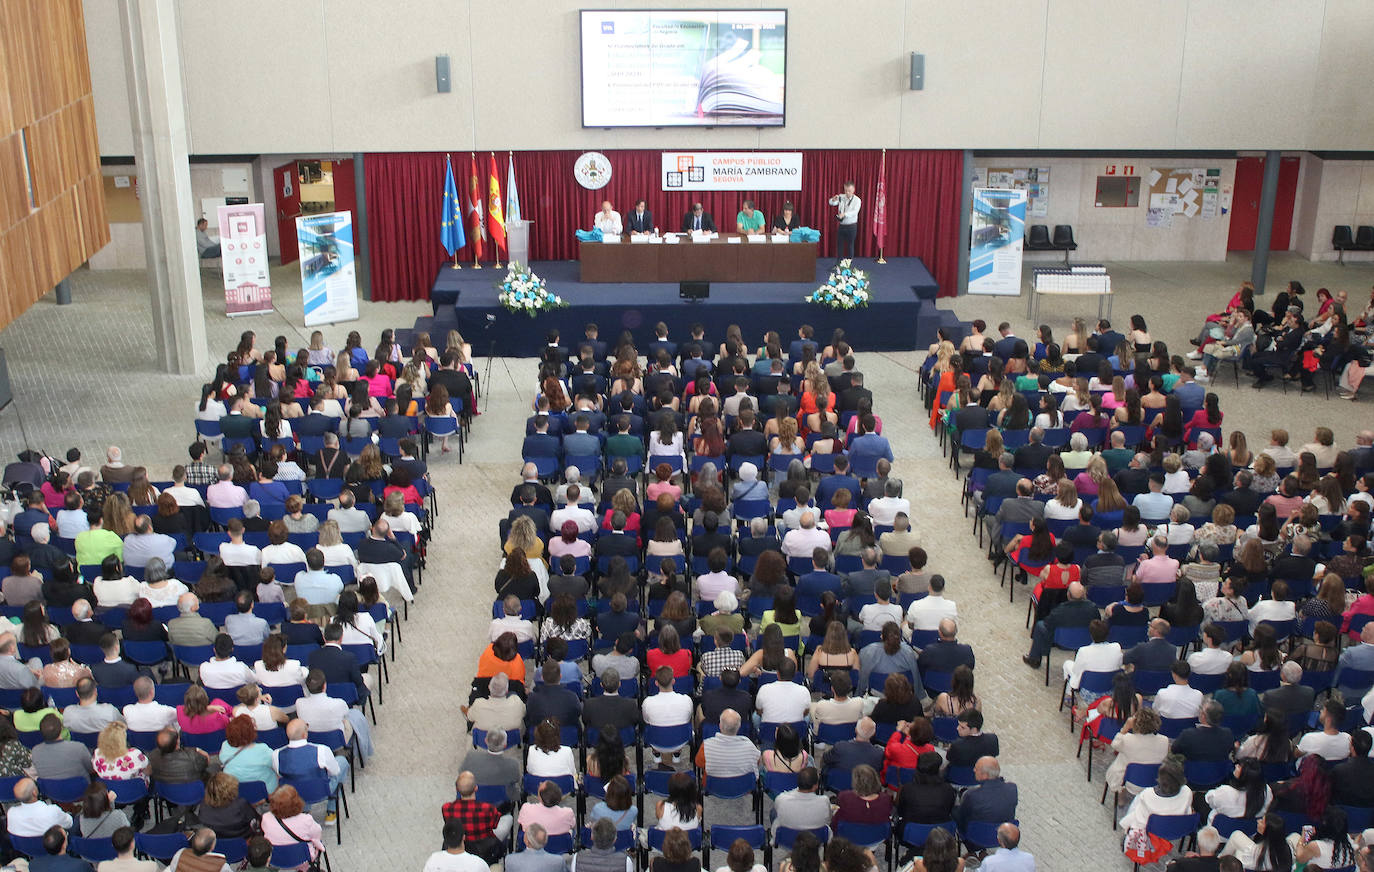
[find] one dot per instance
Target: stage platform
(901, 316)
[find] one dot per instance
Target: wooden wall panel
(47, 94)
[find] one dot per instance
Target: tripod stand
(486, 375)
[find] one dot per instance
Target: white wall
(1120, 233)
(1341, 192)
(311, 76)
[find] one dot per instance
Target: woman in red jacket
(912, 739)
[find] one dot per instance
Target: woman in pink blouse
(288, 813)
(198, 715)
(568, 543)
(63, 671)
(114, 760)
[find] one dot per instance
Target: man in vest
(301, 760)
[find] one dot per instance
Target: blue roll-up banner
(998, 228)
(329, 290)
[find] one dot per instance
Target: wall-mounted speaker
(918, 71)
(442, 83)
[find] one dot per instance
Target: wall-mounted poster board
(1035, 181)
(121, 199)
(1182, 192)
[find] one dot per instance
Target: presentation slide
(683, 68)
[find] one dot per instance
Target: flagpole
(494, 247)
(881, 259)
(448, 163)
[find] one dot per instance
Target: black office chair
(1038, 239)
(1063, 240)
(1364, 238)
(1342, 241)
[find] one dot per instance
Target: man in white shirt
(326, 713)
(573, 511)
(453, 857)
(842, 708)
(1284, 458)
(847, 214)
(183, 494)
(244, 627)
(1178, 700)
(782, 701)
(1099, 656)
(206, 246)
(667, 708)
(803, 541)
(791, 518)
(224, 670)
(727, 754)
(349, 518)
(608, 220)
(874, 615)
(336, 768)
(236, 552)
(883, 511)
(147, 715)
(1155, 504)
(1329, 743)
(1276, 608)
(1213, 659)
(511, 622)
(224, 494)
(33, 817)
(927, 612)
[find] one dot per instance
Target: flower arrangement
(847, 288)
(523, 292)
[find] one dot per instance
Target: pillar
(965, 207)
(161, 145)
(362, 261)
(1259, 267)
(64, 292)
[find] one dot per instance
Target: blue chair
(1172, 826)
(960, 776)
(871, 836)
(667, 738)
(785, 837)
(235, 851)
(64, 790)
(981, 835)
(29, 846)
(656, 839)
(1228, 825)
(188, 794)
(99, 850)
(127, 790)
(163, 847)
(287, 856)
(915, 835)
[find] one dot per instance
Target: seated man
(244, 627)
(804, 807)
(1076, 611)
(858, 751)
(727, 754)
(972, 743)
(225, 671)
(484, 827)
(490, 765)
(1209, 741)
(57, 757)
(206, 246)
(190, 627)
(33, 817)
(602, 854)
(199, 853)
(301, 759)
(89, 715)
(171, 763)
(511, 622)
(1178, 700)
(991, 800)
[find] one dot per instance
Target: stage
(901, 316)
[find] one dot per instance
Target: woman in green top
(34, 709)
(749, 219)
(783, 614)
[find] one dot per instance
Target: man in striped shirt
(728, 754)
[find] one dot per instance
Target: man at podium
(641, 220)
(698, 219)
(749, 219)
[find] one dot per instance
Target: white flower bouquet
(847, 288)
(524, 293)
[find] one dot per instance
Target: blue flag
(451, 218)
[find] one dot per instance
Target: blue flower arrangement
(846, 288)
(525, 293)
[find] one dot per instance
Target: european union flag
(451, 218)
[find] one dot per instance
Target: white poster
(243, 253)
(998, 227)
(329, 291)
(732, 171)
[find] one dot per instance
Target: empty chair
(1364, 238)
(1063, 240)
(1342, 240)
(1038, 239)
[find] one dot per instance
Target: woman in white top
(1330, 846)
(119, 591)
(1170, 795)
(1049, 418)
(666, 441)
(682, 808)
(1178, 530)
(1268, 851)
(358, 626)
(1139, 741)
(1176, 480)
(400, 520)
(282, 550)
(257, 707)
(1244, 796)
(331, 544)
(158, 587)
(1066, 505)
(274, 669)
(547, 757)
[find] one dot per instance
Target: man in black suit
(380, 546)
(971, 417)
(640, 220)
(339, 666)
(993, 800)
(858, 751)
(710, 536)
(619, 479)
(84, 630)
(758, 540)
(553, 352)
(1134, 479)
(539, 494)
(1076, 611)
(1209, 741)
(114, 671)
(1089, 361)
(972, 742)
(1107, 338)
(849, 400)
(610, 708)
(1155, 654)
(1352, 780)
(455, 380)
(698, 219)
(1297, 564)
(728, 696)
(746, 441)
(662, 343)
(1001, 483)
(1241, 498)
(1205, 858)
(1106, 568)
(1085, 533)
(237, 425)
(550, 699)
(409, 461)
(314, 424)
(1291, 697)
(947, 652)
(541, 443)
(1034, 454)
(616, 542)
(820, 580)
(591, 333)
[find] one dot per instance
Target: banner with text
(328, 289)
(243, 254)
(732, 171)
(998, 227)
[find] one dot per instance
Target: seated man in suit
(339, 666)
(972, 743)
(1291, 697)
(858, 751)
(747, 441)
(992, 800)
(1035, 453)
(1155, 654)
(639, 221)
(698, 219)
(617, 542)
(947, 652)
(1209, 741)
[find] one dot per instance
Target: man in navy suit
(819, 580)
(947, 652)
(590, 339)
(616, 542)
(640, 220)
(339, 666)
(868, 442)
(550, 699)
(1155, 654)
(540, 443)
(1107, 338)
(827, 486)
(661, 343)
(1008, 341)
(858, 751)
(992, 800)
(581, 443)
(698, 219)
(805, 336)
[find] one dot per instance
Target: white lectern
(518, 242)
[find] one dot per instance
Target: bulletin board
(1182, 192)
(121, 199)
(1035, 181)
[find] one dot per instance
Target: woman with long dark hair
(1244, 796)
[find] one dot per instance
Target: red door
(287, 182)
(1246, 199)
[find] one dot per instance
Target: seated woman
(783, 614)
(1130, 612)
(33, 709)
(770, 653)
(224, 811)
(834, 652)
(1236, 697)
(867, 802)
(63, 671)
(910, 740)
(928, 798)
(548, 757)
(99, 818)
(898, 704)
(1138, 741)
(198, 715)
(1066, 504)
(1055, 579)
(960, 697)
(1244, 796)
(114, 759)
(678, 615)
(1131, 533)
(682, 807)
(787, 754)
(569, 543)
(663, 482)
(618, 805)
(670, 653)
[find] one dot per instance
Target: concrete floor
(83, 376)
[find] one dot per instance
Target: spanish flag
(496, 223)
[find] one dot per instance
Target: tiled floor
(83, 375)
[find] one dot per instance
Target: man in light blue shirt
(1009, 857)
(244, 627)
(317, 587)
(143, 544)
(1155, 504)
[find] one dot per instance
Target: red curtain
(405, 193)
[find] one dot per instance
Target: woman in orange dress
(944, 374)
(817, 403)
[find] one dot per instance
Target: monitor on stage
(684, 67)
